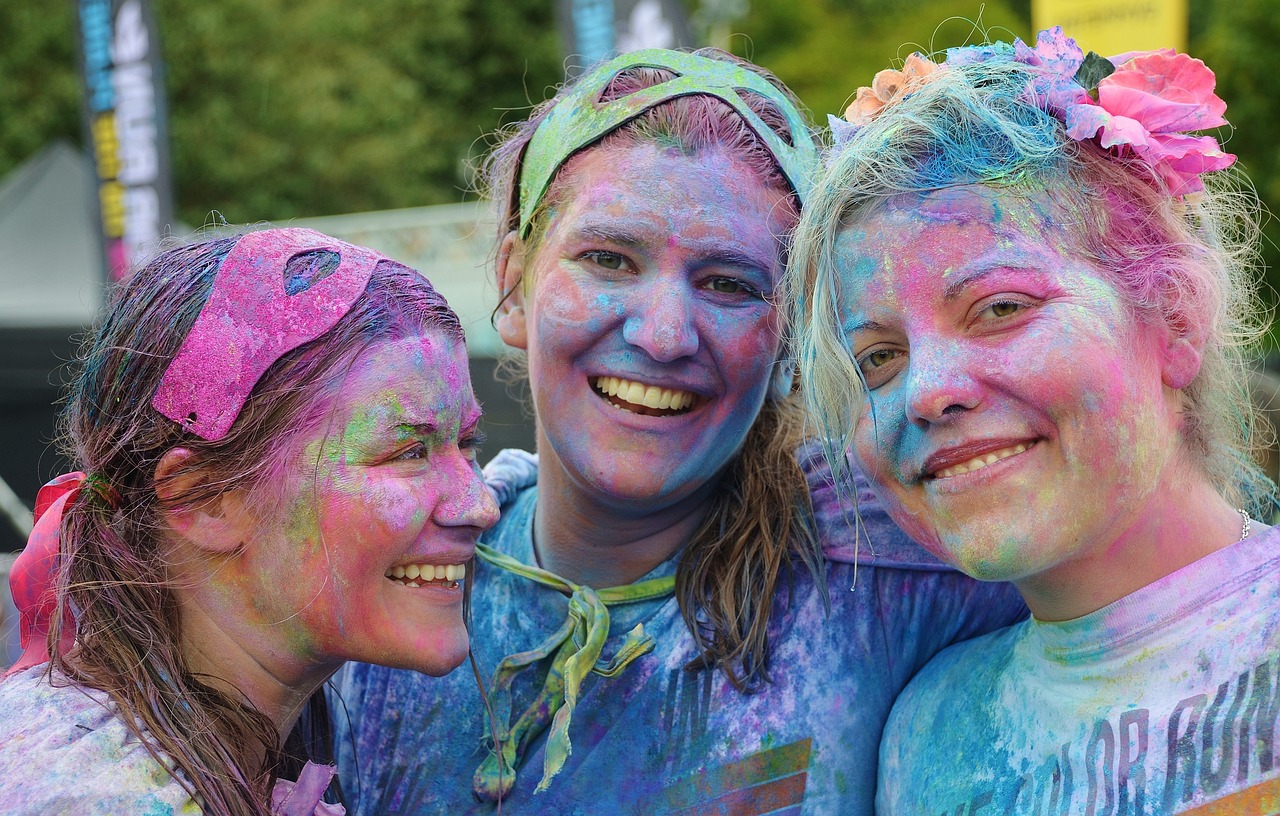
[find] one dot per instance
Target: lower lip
(449, 593)
(982, 476)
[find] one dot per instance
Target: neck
(602, 541)
(1184, 520)
(246, 661)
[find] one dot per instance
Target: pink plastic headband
(252, 320)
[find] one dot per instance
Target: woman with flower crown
(677, 611)
(1033, 282)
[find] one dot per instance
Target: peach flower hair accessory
(886, 87)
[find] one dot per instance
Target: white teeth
(650, 396)
(415, 573)
(979, 462)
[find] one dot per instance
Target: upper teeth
(980, 461)
(429, 572)
(650, 396)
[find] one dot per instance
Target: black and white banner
(125, 125)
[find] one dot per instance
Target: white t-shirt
(64, 750)
(1160, 703)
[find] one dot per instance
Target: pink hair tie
(32, 579)
(254, 317)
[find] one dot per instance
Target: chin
(436, 651)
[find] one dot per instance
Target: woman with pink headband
(1025, 293)
(278, 438)
(677, 611)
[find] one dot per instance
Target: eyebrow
(414, 428)
(606, 232)
(956, 288)
(862, 326)
(713, 254)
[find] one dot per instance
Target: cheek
(748, 341)
(566, 312)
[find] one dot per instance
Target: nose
(661, 322)
(940, 382)
(465, 501)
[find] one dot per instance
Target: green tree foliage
(283, 108)
(39, 82)
(1238, 39)
(825, 49)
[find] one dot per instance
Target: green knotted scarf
(577, 646)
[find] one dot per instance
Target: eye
(879, 365)
(417, 451)
(470, 445)
(731, 286)
(605, 259)
(1001, 308)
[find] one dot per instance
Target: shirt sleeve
(64, 751)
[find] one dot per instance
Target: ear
(217, 525)
(1181, 354)
(784, 378)
(510, 269)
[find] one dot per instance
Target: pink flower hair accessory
(1149, 103)
(254, 316)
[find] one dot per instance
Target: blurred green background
(283, 108)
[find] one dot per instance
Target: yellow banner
(1115, 26)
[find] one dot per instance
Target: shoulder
(63, 749)
(852, 523)
(510, 473)
(959, 683)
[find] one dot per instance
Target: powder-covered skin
(1163, 702)
(64, 750)
(659, 738)
(658, 270)
(982, 333)
(387, 477)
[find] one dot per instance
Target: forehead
(940, 233)
(412, 380)
(647, 186)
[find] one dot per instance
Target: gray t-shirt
(659, 738)
(1159, 703)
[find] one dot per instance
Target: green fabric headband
(581, 119)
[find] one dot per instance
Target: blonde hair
(1190, 264)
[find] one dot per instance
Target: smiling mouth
(647, 400)
(419, 575)
(979, 462)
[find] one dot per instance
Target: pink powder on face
(390, 480)
(657, 269)
(981, 330)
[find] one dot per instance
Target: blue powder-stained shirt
(1163, 702)
(64, 750)
(660, 738)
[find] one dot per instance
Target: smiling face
(1017, 416)
(650, 333)
(380, 510)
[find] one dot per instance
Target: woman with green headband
(676, 612)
